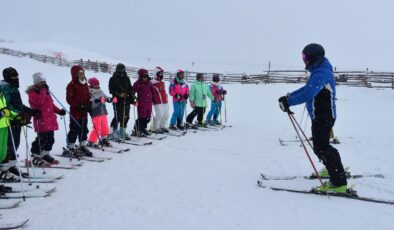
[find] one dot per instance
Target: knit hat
(142, 72)
(93, 82)
(38, 77)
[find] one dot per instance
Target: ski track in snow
(207, 180)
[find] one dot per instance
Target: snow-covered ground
(207, 180)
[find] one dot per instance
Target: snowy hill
(207, 180)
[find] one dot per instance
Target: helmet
(120, 68)
(313, 53)
(215, 77)
(9, 73)
(93, 82)
(180, 74)
(200, 76)
(158, 72)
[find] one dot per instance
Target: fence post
(392, 81)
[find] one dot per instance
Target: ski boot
(208, 122)
(138, 134)
(173, 127)
(38, 161)
(6, 176)
(145, 132)
(327, 187)
(71, 152)
(48, 158)
(5, 189)
(191, 125)
(123, 135)
(215, 122)
(164, 130)
(84, 150)
(180, 127)
(15, 171)
(106, 143)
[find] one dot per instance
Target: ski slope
(207, 180)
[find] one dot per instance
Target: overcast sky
(221, 35)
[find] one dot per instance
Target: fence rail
(368, 79)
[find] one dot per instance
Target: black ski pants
(121, 114)
(78, 129)
(44, 141)
(197, 111)
(141, 124)
(321, 128)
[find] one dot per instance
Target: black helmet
(200, 76)
(313, 53)
(120, 68)
(215, 77)
(9, 73)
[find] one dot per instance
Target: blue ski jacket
(319, 92)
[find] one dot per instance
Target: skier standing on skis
(15, 115)
(199, 92)
(319, 96)
(216, 104)
(46, 124)
(144, 89)
(179, 90)
(160, 102)
(121, 88)
(99, 114)
(78, 97)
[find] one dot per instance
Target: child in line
(99, 114)
(160, 102)
(216, 104)
(198, 101)
(179, 90)
(46, 124)
(144, 89)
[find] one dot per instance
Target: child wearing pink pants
(99, 114)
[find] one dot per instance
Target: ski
(110, 149)
(28, 194)
(47, 190)
(10, 205)
(93, 159)
(54, 166)
(312, 177)
(152, 137)
(331, 194)
(45, 177)
(137, 143)
(287, 142)
(13, 225)
(26, 180)
(175, 134)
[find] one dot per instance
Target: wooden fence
(368, 79)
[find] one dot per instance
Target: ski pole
(98, 135)
(65, 129)
(114, 103)
(64, 108)
(39, 145)
(137, 123)
(225, 109)
(17, 163)
(291, 117)
(299, 127)
(27, 160)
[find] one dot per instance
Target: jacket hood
(324, 64)
(74, 72)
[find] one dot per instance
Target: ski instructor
(319, 96)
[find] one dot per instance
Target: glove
(5, 113)
(186, 96)
(136, 104)
(115, 100)
(224, 92)
(84, 108)
(283, 104)
(36, 113)
(62, 112)
(45, 86)
(178, 96)
(97, 101)
(124, 95)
